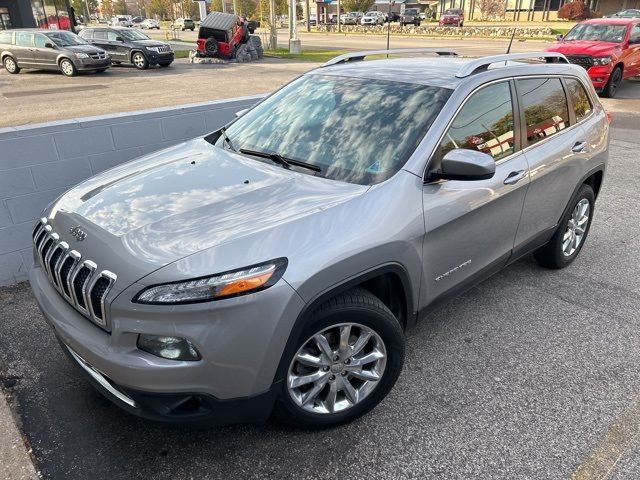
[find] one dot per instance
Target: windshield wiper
(282, 160)
(225, 137)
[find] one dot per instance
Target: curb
(15, 459)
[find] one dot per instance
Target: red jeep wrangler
(608, 48)
(220, 34)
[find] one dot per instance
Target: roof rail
(484, 62)
(356, 56)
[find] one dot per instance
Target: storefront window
(5, 19)
(51, 14)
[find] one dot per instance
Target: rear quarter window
(579, 98)
(545, 107)
(5, 37)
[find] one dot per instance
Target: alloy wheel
(138, 60)
(336, 368)
(576, 228)
(10, 65)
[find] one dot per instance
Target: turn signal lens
(223, 285)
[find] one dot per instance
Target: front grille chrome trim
(49, 248)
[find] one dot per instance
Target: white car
(122, 21)
(372, 18)
(150, 24)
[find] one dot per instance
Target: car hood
(148, 43)
(584, 47)
(191, 197)
(84, 49)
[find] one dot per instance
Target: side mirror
(239, 113)
(49, 45)
(559, 37)
(460, 164)
(119, 39)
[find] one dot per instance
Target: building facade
(51, 14)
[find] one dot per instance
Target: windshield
(65, 39)
(451, 12)
(356, 130)
(132, 34)
(597, 32)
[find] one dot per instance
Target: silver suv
(275, 264)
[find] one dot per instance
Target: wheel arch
(389, 282)
(8, 54)
(137, 50)
(593, 178)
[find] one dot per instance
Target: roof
(219, 21)
(612, 21)
(435, 71)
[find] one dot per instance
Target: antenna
(513, 34)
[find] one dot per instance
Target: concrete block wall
(40, 162)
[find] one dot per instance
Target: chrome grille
(98, 56)
(164, 49)
(78, 280)
(584, 61)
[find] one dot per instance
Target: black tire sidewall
(552, 255)
(611, 88)
(385, 325)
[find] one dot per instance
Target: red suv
(608, 48)
(452, 17)
(220, 34)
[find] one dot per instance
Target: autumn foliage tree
(576, 10)
(491, 9)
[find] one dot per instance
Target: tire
(139, 61)
(211, 47)
(67, 67)
(556, 254)
(366, 315)
(610, 89)
(10, 65)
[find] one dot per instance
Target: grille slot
(80, 283)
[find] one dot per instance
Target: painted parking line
(621, 436)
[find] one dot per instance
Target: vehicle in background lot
(608, 48)
(394, 184)
(220, 34)
(392, 17)
(50, 50)
(150, 24)
(184, 24)
(351, 18)
(313, 20)
(137, 20)
(130, 46)
(630, 13)
(121, 21)
(452, 17)
(411, 16)
(372, 18)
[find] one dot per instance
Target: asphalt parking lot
(531, 374)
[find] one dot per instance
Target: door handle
(579, 147)
(515, 177)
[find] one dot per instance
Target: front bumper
(599, 75)
(241, 341)
(157, 58)
(88, 64)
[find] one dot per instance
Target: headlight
(601, 60)
(153, 49)
(223, 285)
(82, 55)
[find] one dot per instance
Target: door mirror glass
(462, 164)
(49, 45)
(239, 113)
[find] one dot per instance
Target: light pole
(391, 3)
(294, 43)
(273, 34)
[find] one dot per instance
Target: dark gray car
(130, 46)
(52, 50)
(277, 262)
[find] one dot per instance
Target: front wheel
(139, 61)
(610, 89)
(348, 358)
(567, 241)
(67, 67)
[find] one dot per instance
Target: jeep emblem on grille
(78, 233)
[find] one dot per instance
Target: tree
(157, 7)
(576, 10)
(491, 9)
(356, 5)
(121, 7)
(107, 8)
(247, 8)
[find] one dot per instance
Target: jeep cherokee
(275, 264)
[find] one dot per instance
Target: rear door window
(485, 124)
(545, 107)
(580, 100)
(24, 39)
(100, 35)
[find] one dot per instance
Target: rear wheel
(139, 61)
(348, 358)
(67, 67)
(10, 65)
(566, 243)
(610, 89)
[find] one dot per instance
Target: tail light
(609, 117)
(200, 43)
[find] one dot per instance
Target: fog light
(172, 348)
